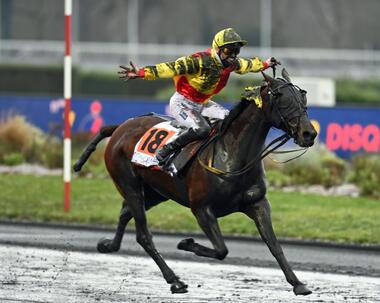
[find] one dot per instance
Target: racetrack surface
(47, 263)
(44, 275)
(250, 252)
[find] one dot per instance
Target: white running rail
(108, 56)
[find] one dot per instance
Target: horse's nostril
(309, 135)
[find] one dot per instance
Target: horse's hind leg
(108, 245)
(260, 213)
(209, 224)
(135, 201)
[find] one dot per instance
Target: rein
(304, 150)
(265, 152)
(276, 143)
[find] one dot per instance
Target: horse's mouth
(306, 137)
(305, 143)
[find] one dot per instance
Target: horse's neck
(245, 137)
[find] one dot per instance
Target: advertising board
(344, 130)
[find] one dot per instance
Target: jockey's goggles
(231, 49)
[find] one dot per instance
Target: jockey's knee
(225, 114)
(203, 131)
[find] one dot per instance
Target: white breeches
(190, 114)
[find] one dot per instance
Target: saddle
(161, 134)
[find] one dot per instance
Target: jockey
(197, 78)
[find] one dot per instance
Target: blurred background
(330, 38)
(331, 48)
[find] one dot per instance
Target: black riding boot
(185, 138)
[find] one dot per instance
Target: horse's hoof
(105, 246)
(184, 244)
(178, 287)
(301, 289)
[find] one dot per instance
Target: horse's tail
(104, 132)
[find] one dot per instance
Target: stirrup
(166, 165)
(163, 154)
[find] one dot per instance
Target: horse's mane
(246, 99)
(234, 113)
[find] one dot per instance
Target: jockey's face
(228, 53)
(230, 50)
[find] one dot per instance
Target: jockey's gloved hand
(128, 72)
(271, 62)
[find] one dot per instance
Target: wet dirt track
(46, 275)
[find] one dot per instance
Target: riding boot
(181, 141)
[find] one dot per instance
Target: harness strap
(304, 150)
(266, 151)
(211, 168)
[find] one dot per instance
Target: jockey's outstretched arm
(181, 66)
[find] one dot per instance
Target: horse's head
(287, 109)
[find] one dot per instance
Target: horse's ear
(285, 75)
(268, 78)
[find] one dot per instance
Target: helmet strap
(224, 61)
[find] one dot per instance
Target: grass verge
(96, 201)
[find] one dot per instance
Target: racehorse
(235, 184)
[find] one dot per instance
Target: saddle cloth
(157, 136)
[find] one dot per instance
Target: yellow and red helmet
(227, 36)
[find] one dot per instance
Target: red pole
(67, 96)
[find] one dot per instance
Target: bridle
(289, 131)
(274, 144)
(292, 113)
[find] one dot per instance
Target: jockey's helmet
(227, 36)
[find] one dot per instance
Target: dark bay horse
(241, 187)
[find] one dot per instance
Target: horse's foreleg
(108, 245)
(144, 238)
(260, 212)
(210, 226)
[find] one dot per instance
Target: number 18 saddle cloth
(154, 138)
(159, 135)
